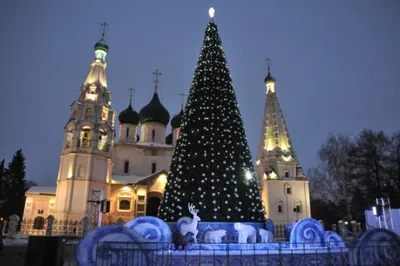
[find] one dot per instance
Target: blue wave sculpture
(152, 229)
(307, 233)
(375, 247)
(333, 240)
(109, 245)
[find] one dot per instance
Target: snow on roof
(126, 179)
(132, 179)
(42, 190)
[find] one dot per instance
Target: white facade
(283, 186)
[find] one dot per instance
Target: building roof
(134, 179)
(42, 190)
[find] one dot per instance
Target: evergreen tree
(16, 184)
(212, 165)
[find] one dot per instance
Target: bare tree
(333, 178)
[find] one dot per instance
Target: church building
(284, 187)
(131, 172)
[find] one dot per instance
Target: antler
(192, 210)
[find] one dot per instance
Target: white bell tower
(86, 164)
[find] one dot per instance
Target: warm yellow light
(71, 169)
(257, 162)
(162, 178)
(287, 158)
(126, 188)
(51, 201)
(284, 147)
(91, 96)
(272, 175)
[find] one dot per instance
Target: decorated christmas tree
(212, 166)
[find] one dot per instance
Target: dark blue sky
(336, 63)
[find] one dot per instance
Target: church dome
(176, 120)
(154, 111)
(168, 139)
(129, 116)
(101, 45)
(269, 78)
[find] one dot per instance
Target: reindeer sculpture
(192, 227)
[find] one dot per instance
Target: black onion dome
(154, 111)
(129, 116)
(101, 45)
(168, 139)
(269, 78)
(176, 120)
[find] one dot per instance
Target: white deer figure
(192, 227)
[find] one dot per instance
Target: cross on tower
(268, 62)
(103, 29)
(156, 81)
(131, 90)
(182, 96)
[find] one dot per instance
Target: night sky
(336, 64)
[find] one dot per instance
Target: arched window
(38, 223)
(68, 138)
(288, 189)
(102, 143)
(153, 135)
(279, 207)
(124, 205)
(86, 136)
(126, 167)
(127, 132)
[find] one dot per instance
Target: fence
(52, 227)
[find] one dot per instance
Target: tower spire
(131, 90)
(182, 99)
(156, 81)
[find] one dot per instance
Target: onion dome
(168, 139)
(176, 120)
(154, 111)
(129, 116)
(101, 45)
(269, 78)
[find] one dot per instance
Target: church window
(127, 132)
(102, 143)
(89, 111)
(153, 135)
(153, 168)
(141, 198)
(280, 208)
(298, 207)
(276, 142)
(81, 171)
(85, 137)
(276, 134)
(40, 211)
(68, 138)
(124, 205)
(126, 167)
(286, 173)
(140, 208)
(288, 190)
(38, 223)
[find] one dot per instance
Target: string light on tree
(212, 164)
